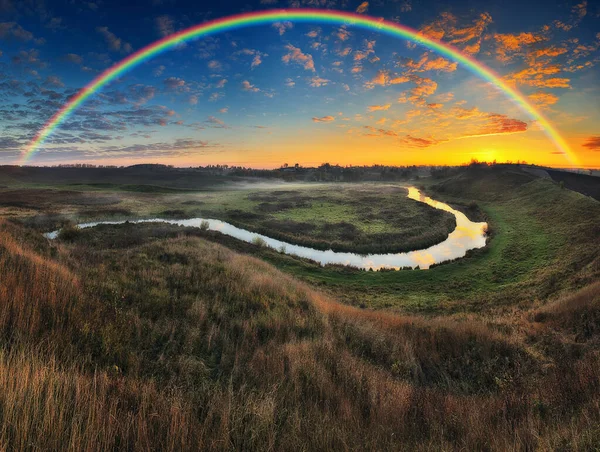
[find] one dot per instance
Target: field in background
(156, 337)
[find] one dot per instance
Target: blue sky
(304, 93)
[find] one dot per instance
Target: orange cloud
(384, 78)
(543, 99)
(411, 141)
(296, 55)
(342, 34)
(375, 132)
(323, 119)
(503, 124)
(593, 143)
(425, 64)
(378, 107)
(362, 8)
(424, 87)
(345, 51)
(317, 82)
(468, 38)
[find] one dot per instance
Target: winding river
(466, 236)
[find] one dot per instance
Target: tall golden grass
(182, 344)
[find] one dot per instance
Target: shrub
(69, 232)
(259, 241)
(204, 225)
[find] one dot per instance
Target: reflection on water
(467, 235)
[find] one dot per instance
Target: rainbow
(297, 15)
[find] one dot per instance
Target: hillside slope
(176, 343)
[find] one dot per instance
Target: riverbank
(466, 236)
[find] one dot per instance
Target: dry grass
(180, 344)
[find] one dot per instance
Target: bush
(204, 225)
(259, 241)
(69, 232)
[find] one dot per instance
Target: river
(466, 236)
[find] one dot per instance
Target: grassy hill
(152, 337)
(176, 343)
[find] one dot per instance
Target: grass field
(375, 218)
(153, 337)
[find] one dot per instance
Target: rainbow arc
(296, 15)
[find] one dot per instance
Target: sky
(305, 93)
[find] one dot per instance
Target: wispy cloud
(282, 27)
(323, 119)
(114, 43)
(378, 107)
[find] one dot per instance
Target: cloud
(593, 143)
(344, 52)
(425, 64)
(440, 64)
(159, 70)
(247, 86)
(362, 8)
(424, 87)
(73, 58)
(289, 82)
(378, 107)
(509, 44)
(317, 82)
(256, 61)
(256, 55)
(296, 55)
(385, 78)
(282, 27)
(193, 100)
(342, 34)
(221, 83)
(28, 58)
(215, 65)
(312, 34)
(411, 141)
(467, 38)
(12, 30)
(216, 122)
(543, 99)
(114, 43)
(174, 82)
(406, 6)
(323, 119)
(52, 81)
(224, 110)
(375, 132)
(165, 25)
(160, 148)
(503, 124)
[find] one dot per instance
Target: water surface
(466, 236)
